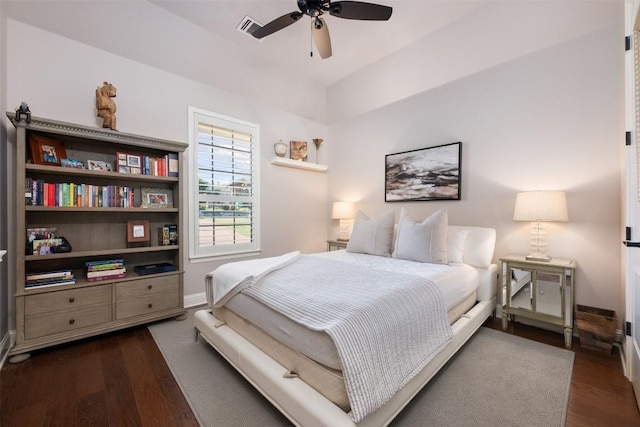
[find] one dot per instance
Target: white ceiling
(356, 44)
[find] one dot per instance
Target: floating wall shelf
(298, 164)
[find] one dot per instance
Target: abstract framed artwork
(431, 173)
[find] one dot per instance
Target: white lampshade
(541, 206)
(343, 210)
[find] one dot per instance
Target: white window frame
(197, 253)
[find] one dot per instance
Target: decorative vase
(318, 143)
(280, 148)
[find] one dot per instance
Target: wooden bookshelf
(96, 230)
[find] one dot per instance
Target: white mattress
(456, 282)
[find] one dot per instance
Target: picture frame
(46, 151)
(298, 150)
(72, 163)
(128, 163)
(138, 232)
(99, 165)
(426, 174)
(156, 198)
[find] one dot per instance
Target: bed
(303, 372)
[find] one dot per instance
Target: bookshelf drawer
(67, 300)
(69, 320)
(145, 287)
(146, 304)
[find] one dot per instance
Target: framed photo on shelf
(431, 173)
(156, 198)
(98, 165)
(138, 233)
(298, 150)
(71, 163)
(46, 151)
(128, 163)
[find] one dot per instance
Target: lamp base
(537, 257)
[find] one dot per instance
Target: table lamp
(344, 211)
(537, 207)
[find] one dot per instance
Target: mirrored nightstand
(539, 290)
(336, 245)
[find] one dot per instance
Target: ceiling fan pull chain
(311, 40)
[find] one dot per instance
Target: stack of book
(49, 278)
(105, 270)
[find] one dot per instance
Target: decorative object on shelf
(105, 105)
(344, 211)
(138, 233)
(299, 150)
(23, 109)
(280, 148)
(46, 151)
(537, 207)
(162, 267)
(318, 142)
(128, 163)
(71, 163)
(431, 173)
(99, 165)
(156, 198)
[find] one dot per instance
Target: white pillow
(455, 244)
(372, 236)
(424, 241)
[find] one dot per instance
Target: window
(224, 172)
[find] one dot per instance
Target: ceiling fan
(316, 8)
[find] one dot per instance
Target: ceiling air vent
(248, 26)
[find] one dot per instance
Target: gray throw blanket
(386, 326)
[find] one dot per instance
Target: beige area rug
(496, 379)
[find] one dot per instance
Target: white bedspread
(231, 278)
(386, 326)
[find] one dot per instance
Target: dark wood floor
(122, 380)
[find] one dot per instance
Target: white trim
(5, 345)
(195, 300)
(232, 250)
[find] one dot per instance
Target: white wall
(547, 120)
(58, 77)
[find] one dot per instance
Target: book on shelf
(106, 277)
(173, 165)
(107, 264)
(49, 275)
(50, 283)
(109, 272)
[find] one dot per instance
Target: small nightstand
(336, 245)
(538, 290)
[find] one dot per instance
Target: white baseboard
(194, 300)
(5, 346)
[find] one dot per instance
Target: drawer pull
(150, 287)
(72, 321)
(72, 299)
(150, 305)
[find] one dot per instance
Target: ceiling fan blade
(360, 10)
(321, 37)
(277, 24)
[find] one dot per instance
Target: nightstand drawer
(68, 320)
(67, 300)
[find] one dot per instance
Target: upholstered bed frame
(302, 404)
